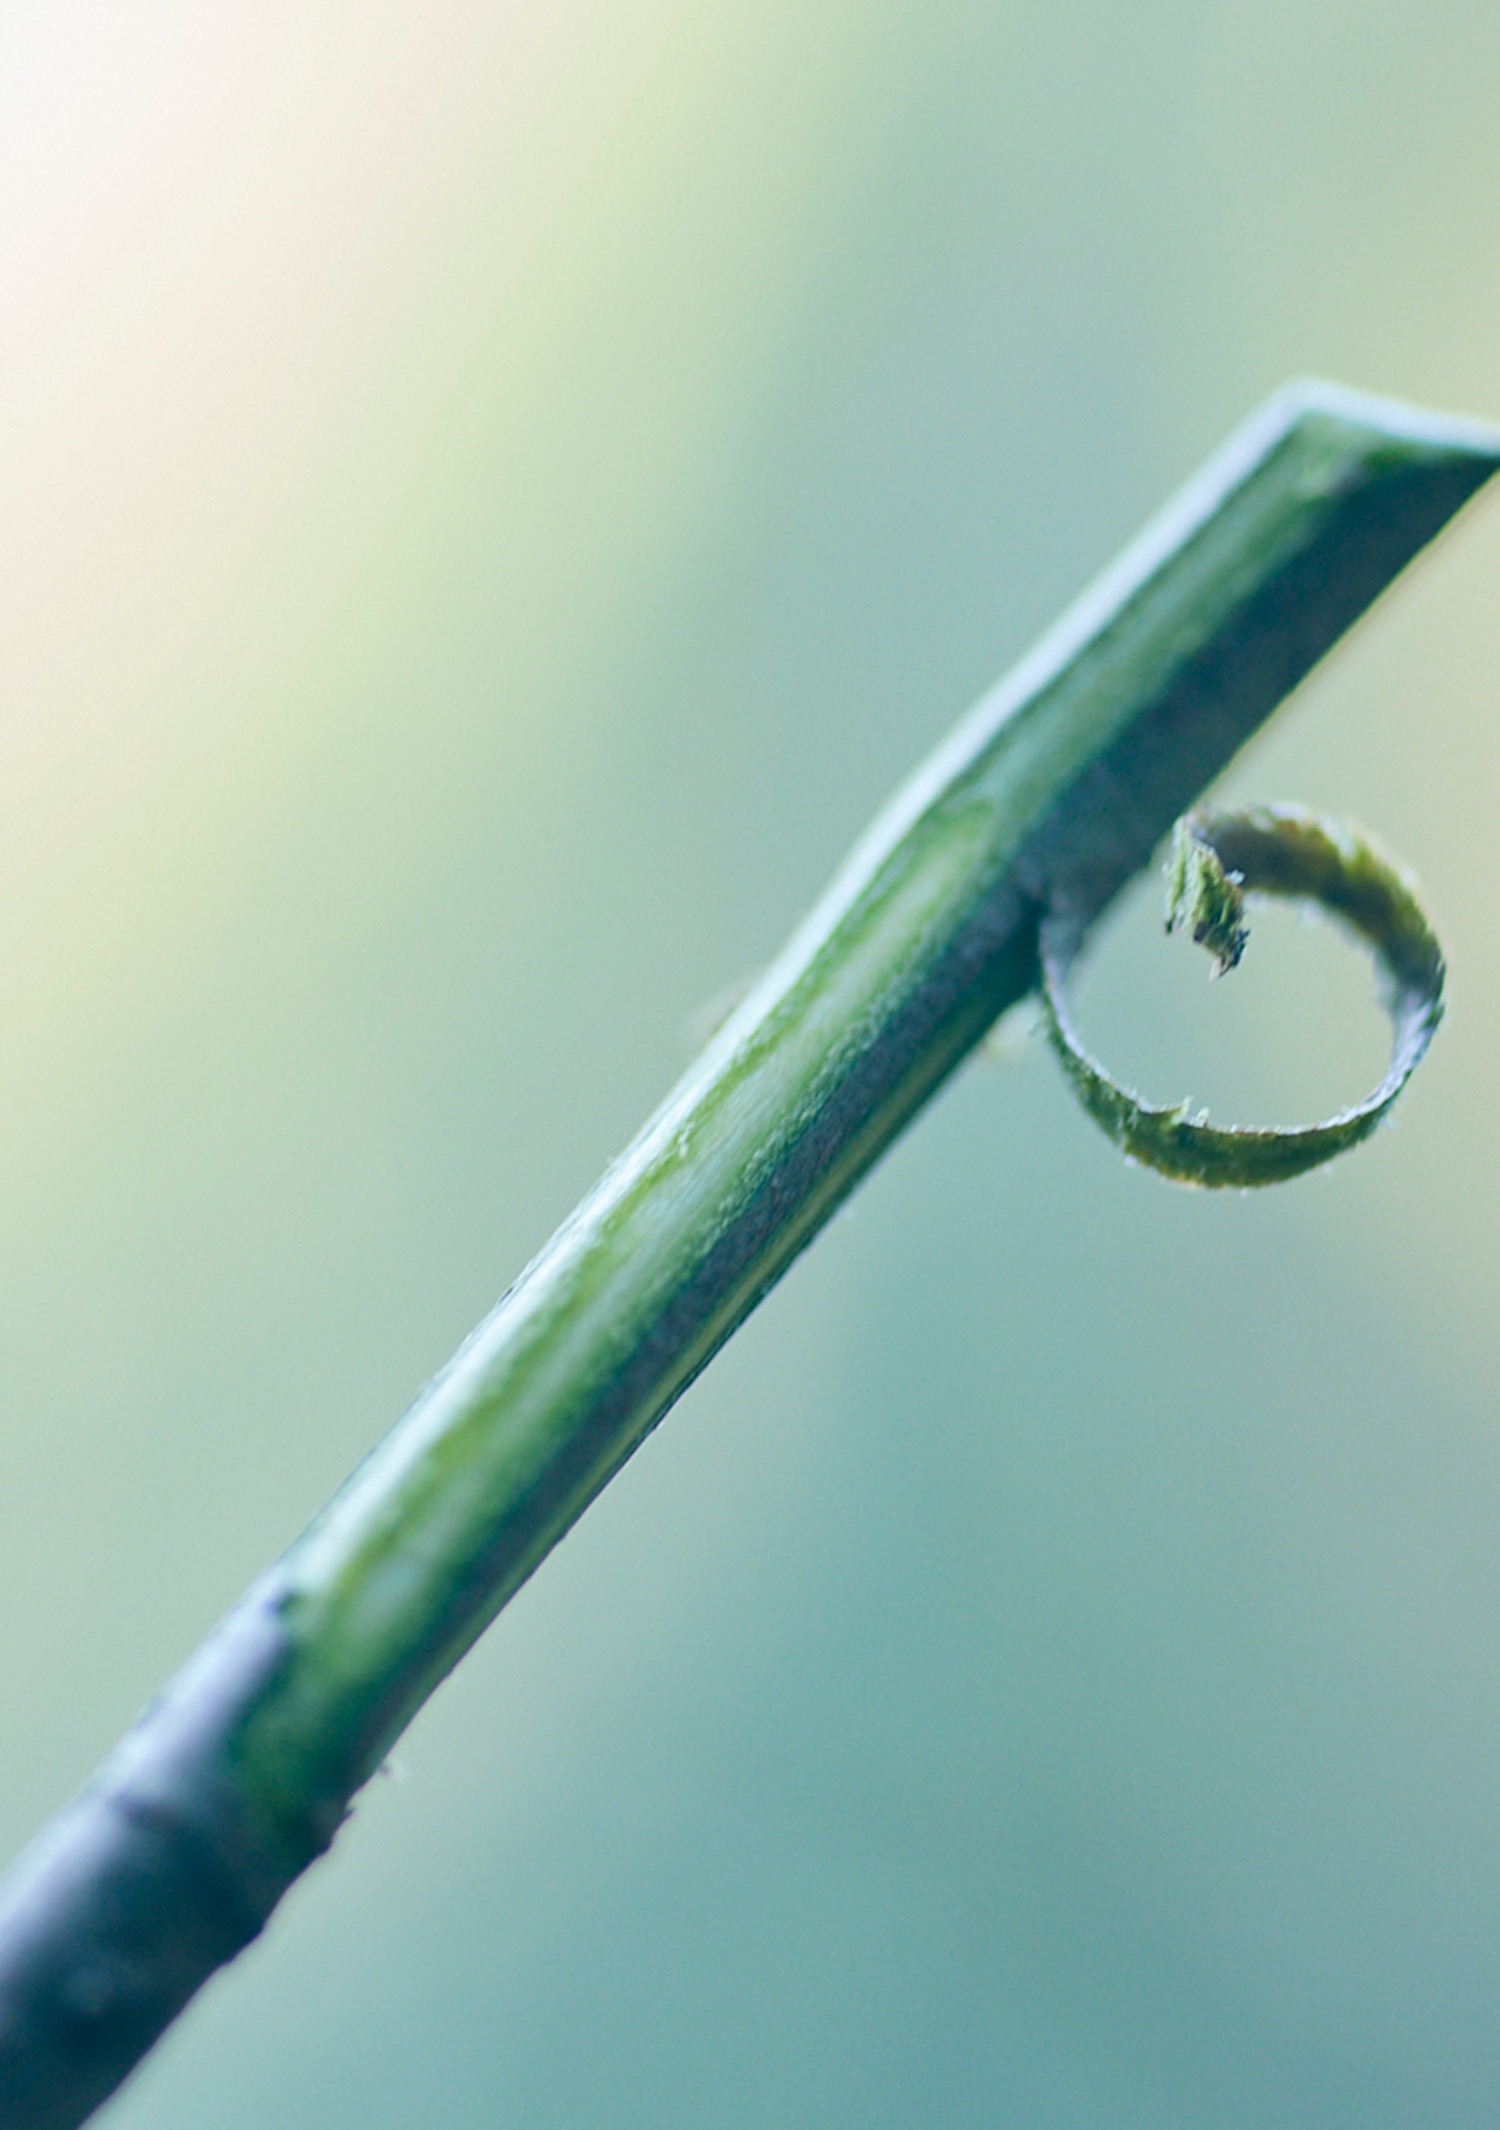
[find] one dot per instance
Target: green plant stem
(1046, 799)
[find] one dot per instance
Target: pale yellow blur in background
(490, 498)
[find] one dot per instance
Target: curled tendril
(1277, 850)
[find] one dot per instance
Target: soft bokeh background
(490, 498)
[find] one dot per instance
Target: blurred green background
(492, 498)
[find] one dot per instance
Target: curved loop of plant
(1216, 858)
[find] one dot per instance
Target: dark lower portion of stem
(159, 1873)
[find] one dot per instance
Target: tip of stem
(1389, 421)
